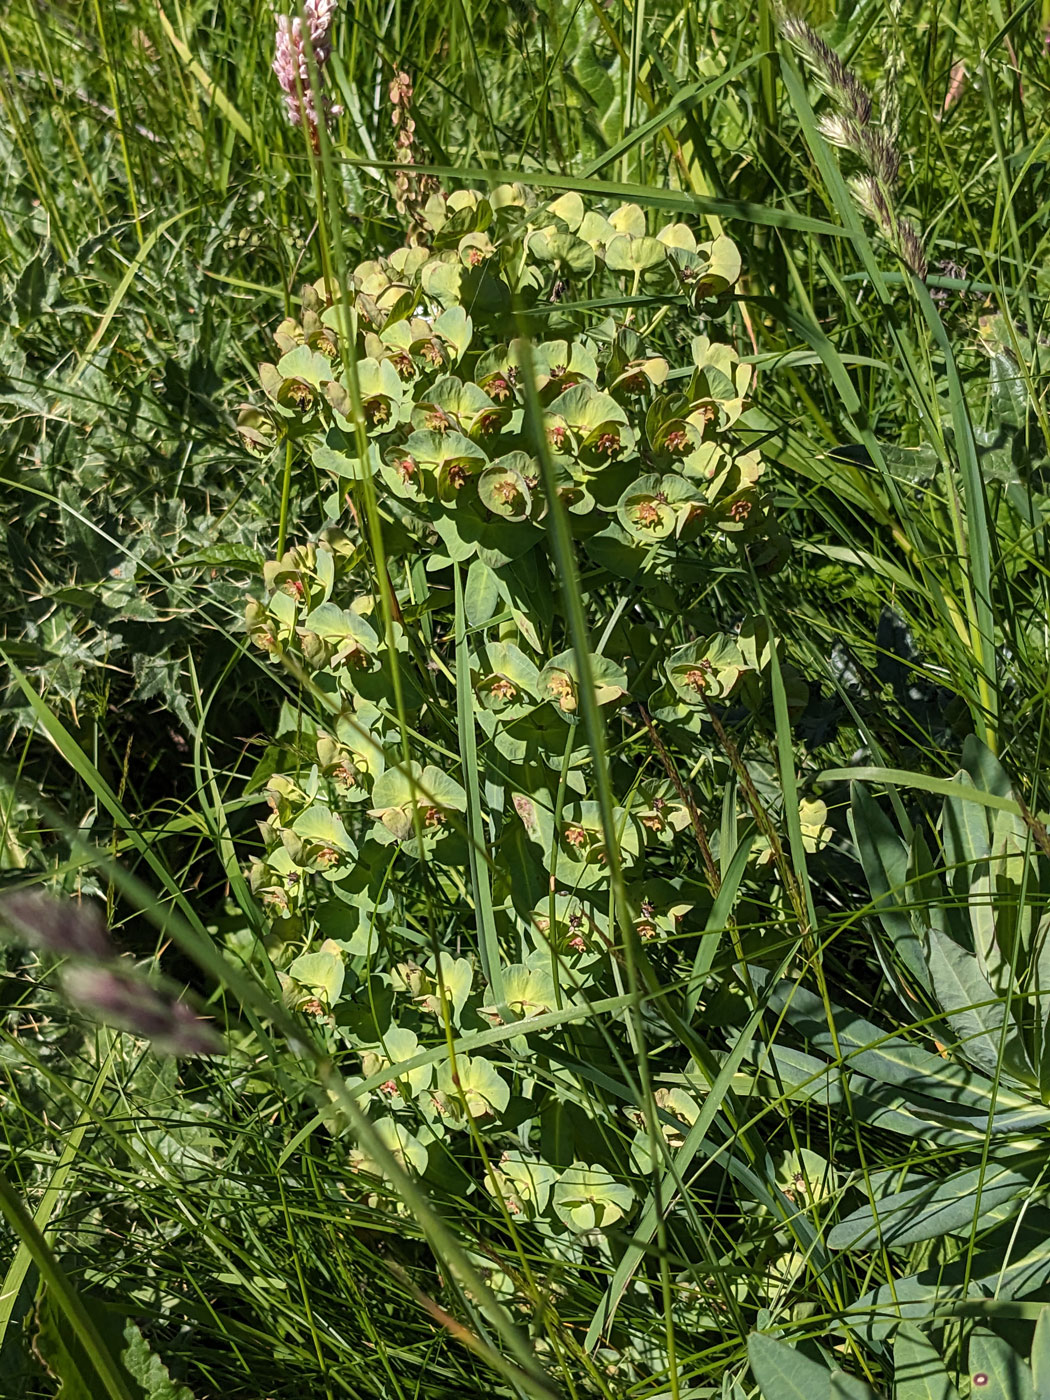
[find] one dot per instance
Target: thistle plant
(852, 127)
(298, 37)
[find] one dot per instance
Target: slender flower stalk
(293, 47)
(411, 190)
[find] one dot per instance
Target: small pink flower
(292, 66)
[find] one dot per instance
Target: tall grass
(159, 215)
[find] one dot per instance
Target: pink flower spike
(291, 64)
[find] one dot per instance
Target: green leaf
(568, 207)
(847, 1387)
(457, 977)
(901, 777)
(143, 1373)
(705, 670)
(947, 1207)
(477, 852)
(884, 858)
(979, 526)
(149, 1370)
(571, 256)
(559, 681)
(626, 254)
(502, 488)
(523, 1182)
(477, 1084)
(586, 409)
(405, 1148)
(323, 972)
(399, 792)
(590, 1198)
(305, 364)
(918, 1370)
(977, 1015)
(1025, 1250)
(1041, 1354)
(966, 832)
(455, 326)
(723, 259)
(997, 1371)
(481, 595)
(718, 919)
(336, 625)
(783, 1373)
(871, 1050)
(319, 823)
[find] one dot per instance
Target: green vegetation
(524, 787)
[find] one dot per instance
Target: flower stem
(286, 491)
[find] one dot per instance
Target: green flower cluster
(637, 449)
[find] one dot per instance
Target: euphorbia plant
(435, 803)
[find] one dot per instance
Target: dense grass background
(157, 216)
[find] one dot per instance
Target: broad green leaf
(977, 1015)
(997, 1371)
(984, 768)
(405, 1148)
(323, 972)
(319, 823)
(1014, 1263)
(336, 625)
(883, 1056)
(625, 254)
(523, 1181)
(148, 1369)
(398, 1046)
(628, 219)
(481, 595)
(783, 1373)
(847, 1387)
(966, 832)
(568, 207)
(919, 1372)
(571, 256)
(965, 1201)
(586, 409)
(559, 681)
(457, 977)
(527, 991)
(305, 364)
(502, 488)
(705, 670)
(1041, 1354)
(590, 1198)
(326, 459)
(723, 259)
(455, 326)
(143, 1374)
(475, 1084)
(921, 782)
